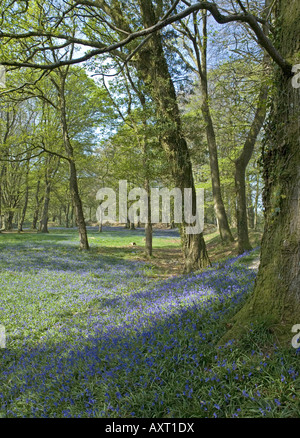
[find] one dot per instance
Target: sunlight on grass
(97, 336)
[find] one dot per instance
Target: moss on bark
(275, 301)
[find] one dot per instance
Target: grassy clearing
(102, 334)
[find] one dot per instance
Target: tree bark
(199, 55)
(153, 69)
(49, 175)
(276, 298)
(8, 223)
(241, 164)
(38, 202)
(250, 206)
(257, 191)
(148, 225)
(67, 210)
(220, 212)
(74, 190)
(44, 218)
(24, 209)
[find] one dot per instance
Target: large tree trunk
(153, 69)
(8, 222)
(276, 298)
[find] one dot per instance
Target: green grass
(99, 333)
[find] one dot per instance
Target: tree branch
(248, 18)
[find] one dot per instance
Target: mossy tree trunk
(276, 297)
(152, 67)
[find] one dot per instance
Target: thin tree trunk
(24, 209)
(49, 175)
(250, 206)
(67, 211)
(60, 217)
(45, 211)
(256, 202)
(74, 190)
(240, 171)
(219, 207)
(38, 202)
(148, 225)
(72, 216)
(223, 225)
(79, 216)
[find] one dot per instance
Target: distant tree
(276, 298)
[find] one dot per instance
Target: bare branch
(248, 18)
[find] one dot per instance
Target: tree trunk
(24, 209)
(153, 70)
(72, 216)
(49, 175)
(250, 206)
(67, 210)
(37, 207)
(256, 202)
(276, 297)
(241, 210)
(74, 190)
(220, 212)
(241, 164)
(148, 225)
(219, 208)
(9, 216)
(60, 217)
(44, 218)
(83, 239)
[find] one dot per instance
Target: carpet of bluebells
(90, 336)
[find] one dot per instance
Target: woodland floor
(110, 333)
